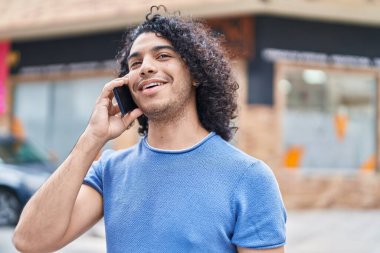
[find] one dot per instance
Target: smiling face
(159, 79)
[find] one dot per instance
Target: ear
(195, 83)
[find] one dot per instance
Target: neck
(177, 134)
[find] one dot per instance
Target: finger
(135, 114)
(131, 125)
(107, 91)
(130, 117)
(115, 109)
(111, 86)
(103, 102)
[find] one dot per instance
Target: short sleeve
(94, 177)
(259, 210)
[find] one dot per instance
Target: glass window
(54, 114)
(329, 119)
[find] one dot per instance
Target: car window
(17, 152)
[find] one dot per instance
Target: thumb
(130, 117)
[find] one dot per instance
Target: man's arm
(63, 208)
(47, 216)
(276, 250)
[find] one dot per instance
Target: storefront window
(54, 114)
(329, 119)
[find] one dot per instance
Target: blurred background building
(309, 74)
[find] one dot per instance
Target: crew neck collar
(169, 151)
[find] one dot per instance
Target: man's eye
(162, 56)
(134, 64)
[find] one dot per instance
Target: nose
(147, 67)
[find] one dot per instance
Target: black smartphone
(124, 99)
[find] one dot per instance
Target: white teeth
(152, 85)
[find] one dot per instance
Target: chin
(154, 111)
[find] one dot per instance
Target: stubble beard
(170, 112)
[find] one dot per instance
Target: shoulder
(252, 171)
(239, 167)
(231, 155)
(258, 183)
(259, 171)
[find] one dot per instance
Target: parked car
(22, 171)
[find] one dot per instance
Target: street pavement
(333, 231)
(313, 231)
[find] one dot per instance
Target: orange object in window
(341, 121)
(369, 164)
(293, 157)
(17, 128)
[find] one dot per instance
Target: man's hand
(106, 122)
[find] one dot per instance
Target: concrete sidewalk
(311, 231)
(333, 231)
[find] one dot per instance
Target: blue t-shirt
(211, 197)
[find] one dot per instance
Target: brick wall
(260, 136)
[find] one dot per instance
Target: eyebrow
(154, 49)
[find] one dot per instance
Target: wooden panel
(238, 32)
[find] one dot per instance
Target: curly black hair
(206, 58)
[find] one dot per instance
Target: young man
(182, 188)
